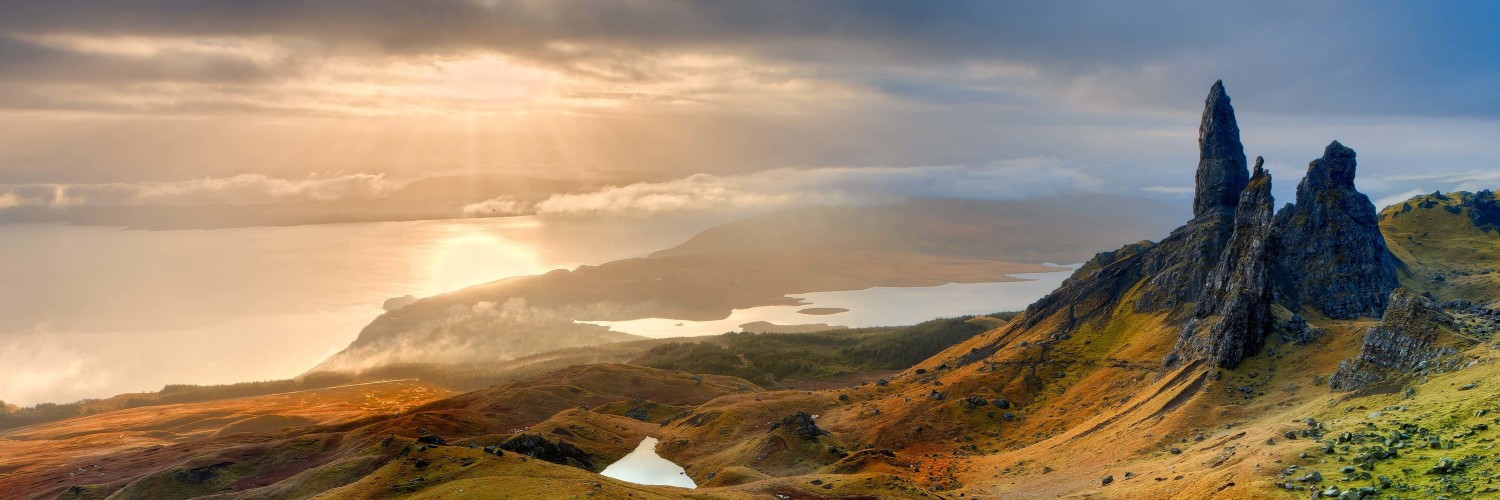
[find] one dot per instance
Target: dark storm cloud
(1313, 57)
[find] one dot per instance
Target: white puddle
(644, 466)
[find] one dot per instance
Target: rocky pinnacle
(1222, 173)
(1234, 313)
(1333, 249)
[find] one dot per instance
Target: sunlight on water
(473, 256)
(97, 311)
(644, 466)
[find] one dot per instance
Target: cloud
(500, 206)
(41, 367)
(244, 189)
(727, 87)
(1171, 190)
(1321, 55)
(784, 187)
(1413, 184)
(1397, 198)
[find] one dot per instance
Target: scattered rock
(802, 425)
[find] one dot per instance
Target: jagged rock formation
(1234, 317)
(1333, 250)
(1412, 336)
(1179, 265)
(1176, 266)
(1221, 158)
(1220, 274)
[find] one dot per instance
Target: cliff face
(1410, 339)
(1234, 315)
(1333, 250)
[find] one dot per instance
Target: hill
(1447, 244)
(744, 264)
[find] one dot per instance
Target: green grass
(1434, 235)
(766, 358)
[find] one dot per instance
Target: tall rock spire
(1333, 250)
(1222, 173)
(1234, 311)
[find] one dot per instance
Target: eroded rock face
(1333, 252)
(1177, 265)
(1234, 315)
(1411, 338)
(1222, 172)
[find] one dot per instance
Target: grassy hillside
(1449, 244)
(763, 358)
(12, 416)
(767, 358)
(775, 357)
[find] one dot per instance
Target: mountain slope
(1449, 244)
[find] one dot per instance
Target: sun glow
(471, 257)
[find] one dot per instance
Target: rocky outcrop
(802, 425)
(1484, 210)
(1179, 266)
(1333, 252)
(1234, 315)
(1221, 157)
(1411, 338)
(1176, 265)
(562, 453)
(1174, 268)
(1220, 275)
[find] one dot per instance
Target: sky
(669, 105)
